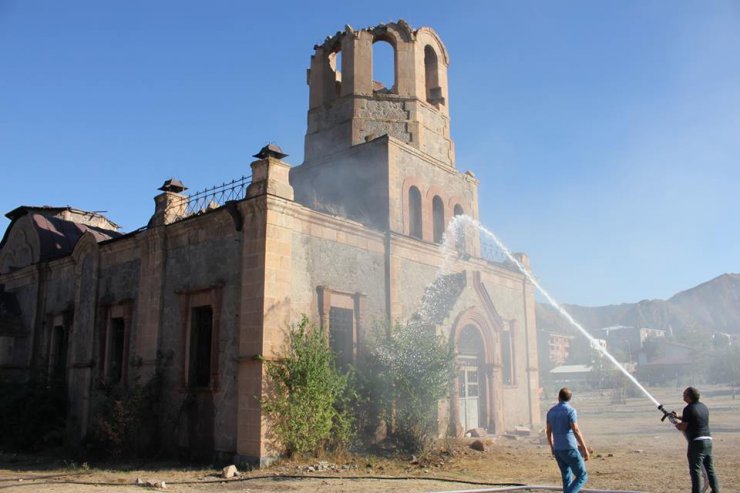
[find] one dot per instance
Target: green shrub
(408, 371)
(307, 398)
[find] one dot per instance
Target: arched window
(415, 212)
(470, 344)
(458, 211)
(431, 76)
(438, 216)
(384, 66)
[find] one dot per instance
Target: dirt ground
(633, 450)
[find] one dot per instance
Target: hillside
(713, 306)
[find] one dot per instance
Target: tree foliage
(306, 398)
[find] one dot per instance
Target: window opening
(115, 349)
(470, 343)
(458, 211)
(384, 67)
(431, 76)
(201, 328)
(341, 330)
(507, 359)
(415, 212)
(59, 352)
(438, 213)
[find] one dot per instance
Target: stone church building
(349, 237)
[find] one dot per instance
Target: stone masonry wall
(203, 255)
(119, 282)
(343, 257)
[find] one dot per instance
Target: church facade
(208, 288)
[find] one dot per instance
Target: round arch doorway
(471, 379)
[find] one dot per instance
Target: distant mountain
(713, 306)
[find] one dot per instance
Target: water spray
(456, 230)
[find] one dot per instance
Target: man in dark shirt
(695, 425)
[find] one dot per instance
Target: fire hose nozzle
(666, 414)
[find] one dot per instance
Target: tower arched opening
(335, 63)
(384, 66)
(431, 76)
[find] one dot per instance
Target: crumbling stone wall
(204, 253)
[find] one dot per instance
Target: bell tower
(348, 107)
(383, 156)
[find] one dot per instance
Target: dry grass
(633, 450)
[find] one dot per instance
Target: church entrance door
(469, 398)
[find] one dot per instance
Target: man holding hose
(695, 425)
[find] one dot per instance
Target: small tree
(410, 369)
(306, 398)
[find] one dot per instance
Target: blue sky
(606, 135)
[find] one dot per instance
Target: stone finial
(170, 205)
(270, 175)
(271, 150)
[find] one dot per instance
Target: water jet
(456, 239)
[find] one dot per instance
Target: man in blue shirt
(567, 443)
